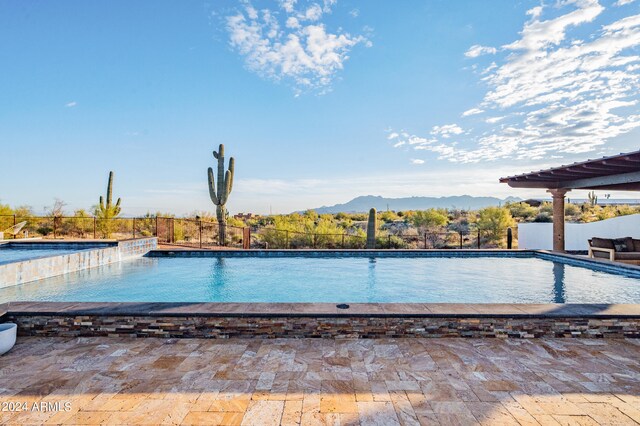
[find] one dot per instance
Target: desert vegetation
(431, 228)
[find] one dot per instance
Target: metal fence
(273, 238)
(174, 231)
(201, 233)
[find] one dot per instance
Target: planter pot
(7, 336)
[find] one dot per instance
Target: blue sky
(318, 101)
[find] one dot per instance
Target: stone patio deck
(323, 381)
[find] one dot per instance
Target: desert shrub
(427, 220)
(494, 221)
(571, 210)
(546, 207)
(388, 216)
(521, 210)
(626, 210)
(543, 218)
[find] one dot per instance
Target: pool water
(13, 254)
(334, 279)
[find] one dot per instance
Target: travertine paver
(321, 381)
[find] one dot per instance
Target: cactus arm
(232, 164)
(109, 190)
(212, 191)
(227, 190)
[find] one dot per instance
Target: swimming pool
(245, 278)
(15, 254)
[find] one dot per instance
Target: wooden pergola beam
(621, 172)
(595, 182)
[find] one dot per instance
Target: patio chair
(13, 230)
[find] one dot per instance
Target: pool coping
(325, 310)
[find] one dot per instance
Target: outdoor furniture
(13, 230)
(626, 250)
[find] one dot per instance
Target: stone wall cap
(368, 310)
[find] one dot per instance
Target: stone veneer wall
(16, 273)
(137, 247)
(328, 327)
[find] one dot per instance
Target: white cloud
(477, 50)
(291, 44)
(534, 12)
(472, 111)
(71, 104)
(288, 5)
(417, 161)
(313, 13)
(446, 130)
(567, 85)
(415, 140)
(355, 13)
(292, 22)
(623, 2)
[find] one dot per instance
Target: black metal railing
(203, 233)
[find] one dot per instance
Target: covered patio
(616, 173)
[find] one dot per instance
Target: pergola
(616, 173)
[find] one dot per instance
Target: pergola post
(558, 217)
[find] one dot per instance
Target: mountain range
(364, 203)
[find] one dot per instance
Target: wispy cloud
(558, 89)
(71, 104)
(477, 50)
(417, 161)
(292, 44)
(446, 130)
(623, 2)
(472, 111)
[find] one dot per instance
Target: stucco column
(558, 217)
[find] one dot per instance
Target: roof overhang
(617, 173)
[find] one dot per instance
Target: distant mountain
(364, 203)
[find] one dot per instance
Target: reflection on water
(218, 282)
(559, 293)
(371, 279)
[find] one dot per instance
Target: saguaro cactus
(108, 210)
(593, 198)
(372, 225)
(220, 194)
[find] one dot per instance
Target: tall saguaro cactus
(108, 210)
(220, 194)
(372, 226)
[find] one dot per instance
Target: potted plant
(7, 336)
